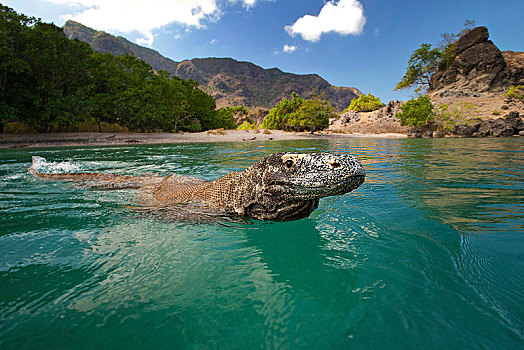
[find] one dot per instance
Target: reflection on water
(427, 253)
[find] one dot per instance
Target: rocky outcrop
(495, 128)
(388, 111)
(346, 119)
(479, 66)
(515, 122)
(382, 115)
(380, 121)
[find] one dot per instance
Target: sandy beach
(108, 139)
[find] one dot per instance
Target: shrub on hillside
(447, 117)
(416, 112)
(516, 92)
(365, 103)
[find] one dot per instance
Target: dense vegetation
(364, 103)
(300, 114)
(51, 83)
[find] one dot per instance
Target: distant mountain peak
(229, 81)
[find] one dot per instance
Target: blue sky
(365, 44)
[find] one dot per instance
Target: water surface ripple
(428, 253)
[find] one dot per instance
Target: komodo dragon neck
(234, 192)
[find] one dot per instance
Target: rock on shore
(510, 125)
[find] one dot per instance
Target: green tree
(416, 112)
(201, 106)
(299, 114)
(130, 92)
(56, 78)
(14, 69)
(313, 115)
(278, 116)
(364, 103)
(225, 117)
(421, 66)
(102, 89)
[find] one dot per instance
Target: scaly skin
(279, 187)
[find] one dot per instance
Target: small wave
(43, 166)
(13, 177)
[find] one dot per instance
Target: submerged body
(279, 187)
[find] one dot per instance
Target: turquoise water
(427, 253)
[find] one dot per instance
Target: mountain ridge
(229, 81)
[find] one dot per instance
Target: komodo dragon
(279, 187)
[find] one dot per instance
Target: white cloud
(141, 16)
(289, 48)
(343, 17)
(245, 3)
(213, 41)
(147, 40)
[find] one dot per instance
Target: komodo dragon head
(288, 186)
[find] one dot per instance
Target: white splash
(41, 165)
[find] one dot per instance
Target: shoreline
(34, 140)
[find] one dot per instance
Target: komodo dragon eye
(289, 163)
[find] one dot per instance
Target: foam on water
(41, 165)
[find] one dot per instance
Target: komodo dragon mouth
(279, 187)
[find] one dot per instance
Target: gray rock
(485, 128)
(514, 121)
(504, 107)
(349, 117)
(427, 134)
(500, 128)
(388, 110)
(438, 134)
(473, 37)
(465, 130)
(415, 133)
